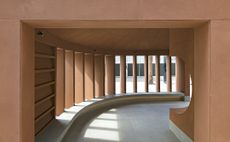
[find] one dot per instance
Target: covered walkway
(114, 118)
(132, 123)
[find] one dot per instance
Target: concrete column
(157, 72)
(180, 72)
(60, 81)
(79, 77)
(99, 75)
(186, 82)
(69, 75)
(123, 73)
(89, 76)
(134, 73)
(150, 72)
(168, 74)
(109, 75)
(146, 74)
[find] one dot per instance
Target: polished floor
(147, 122)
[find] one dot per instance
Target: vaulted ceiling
(128, 39)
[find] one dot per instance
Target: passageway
(96, 71)
(132, 123)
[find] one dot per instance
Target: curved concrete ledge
(90, 111)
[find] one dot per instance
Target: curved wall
(96, 108)
(182, 46)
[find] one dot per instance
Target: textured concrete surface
(133, 123)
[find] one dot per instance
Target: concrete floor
(53, 131)
(133, 123)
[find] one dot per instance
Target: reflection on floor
(133, 123)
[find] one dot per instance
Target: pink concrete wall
(10, 85)
(211, 68)
(119, 9)
(219, 104)
(201, 83)
(69, 78)
(27, 83)
(182, 46)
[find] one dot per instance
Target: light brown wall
(27, 78)
(10, 58)
(89, 76)
(45, 61)
(168, 74)
(201, 83)
(120, 9)
(134, 74)
(157, 72)
(10, 85)
(69, 83)
(109, 75)
(79, 77)
(99, 63)
(60, 81)
(146, 73)
(123, 74)
(219, 77)
(180, 69)
(182, 46)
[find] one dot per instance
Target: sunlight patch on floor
(104, 127)
(102, 134)
(108, 116)
(104, 124)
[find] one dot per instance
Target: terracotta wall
(120, 9)
(44, 100)
(210, 95)
(79, 77)
(109, 74)
(202, 84)
(123, 74)
(146, 73)
(27, 78)
(60, 81)
(69, 78)
(10, 85)
(89, 76)
(219, 81)
(99, 73)
(180, 74)
(182, 46)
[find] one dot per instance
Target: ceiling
(115, 38)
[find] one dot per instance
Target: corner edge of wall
(179, 133)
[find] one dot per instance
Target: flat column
(9, 106)
(99, 75)
(186, 82)
(89, 76)
(69, 82)
(134, 73)
(146, 74)
(79, 77)
(150, 72)
(60, 81)
(157, 72)
(180, 73)
(168, 74)
(123, 73)
(109, 75)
